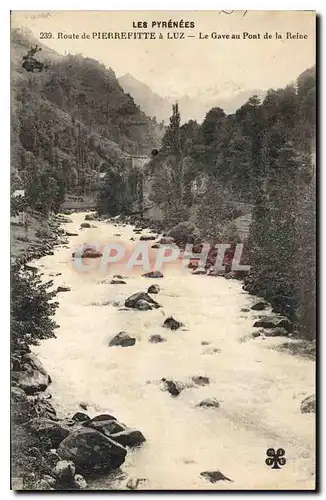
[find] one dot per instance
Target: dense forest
(263, 155)
(70, 123)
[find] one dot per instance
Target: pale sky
(187, 67)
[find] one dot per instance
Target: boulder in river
(174, 388)
(91, 253)
(85, 225)
(214, 475)
(116, 281)
(209, 403)
(167, 240)
(143, 305)
(71, 234)
(47, 428)
(122, 339)
(153, 289)
(147, 237)
(279, 331)
(200, 380)
(155, 246)
(172, 323)
(273, 322)
(140, 296)
(129, 437)
(92, 451)
(156, 339)
(259, 306)
(153, 274)
(92, 217)
(212, 350)
(308, 405)
(199, 271)
(63, 289)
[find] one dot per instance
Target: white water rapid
(258, 387)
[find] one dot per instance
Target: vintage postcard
(163, 250)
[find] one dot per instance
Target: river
(259, 388)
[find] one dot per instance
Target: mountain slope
(71, 121)
(191, 107)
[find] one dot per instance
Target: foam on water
(259, 389)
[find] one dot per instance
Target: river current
(259, 388)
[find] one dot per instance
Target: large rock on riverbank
(274, 322)
(92, 451)
(31, 377)
(184, 232)
(46, 428)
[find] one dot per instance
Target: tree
(31, 309)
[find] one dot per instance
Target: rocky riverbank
(49, 453)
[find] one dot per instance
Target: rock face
(91, 451)
(153, 289)
(274, 322)
(259, 306)
(156, 339)
(44, 427)
(129, 437)
(134, 299)
(153, 274)
(308, 405)
(214, 475)
(172, 323)
(122, 339)
(209, 403)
